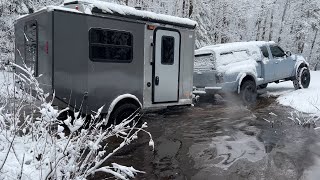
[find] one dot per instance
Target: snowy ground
(304, 100)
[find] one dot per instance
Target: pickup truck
(244, 67)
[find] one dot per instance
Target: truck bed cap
(219, 48)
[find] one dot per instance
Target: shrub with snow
(34, 144)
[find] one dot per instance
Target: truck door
(268, 65)
(284, 64)
(166, 66)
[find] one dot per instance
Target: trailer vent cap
(31, 10)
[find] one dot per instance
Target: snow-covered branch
(36, 143)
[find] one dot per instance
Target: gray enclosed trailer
(93, 53)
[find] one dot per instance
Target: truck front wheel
(302, 79)
(248, 92)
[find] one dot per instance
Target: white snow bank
(304, 100)
(130, 11)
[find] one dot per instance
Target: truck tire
(248, 92)
(263, 86)
(302, 78)
(123, 112)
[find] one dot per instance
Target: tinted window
(167, 50)
(31, 45)
(276, 51)
(110, 46)
(264, 51)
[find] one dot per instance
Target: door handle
(276, 62)
(157, 81)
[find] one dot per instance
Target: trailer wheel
(122, 112)
(248, 92)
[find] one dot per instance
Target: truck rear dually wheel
(302, 78)
(248, 92)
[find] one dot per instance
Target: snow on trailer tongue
(112, 8)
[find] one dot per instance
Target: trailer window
(31, 45)
(167, 50)
(110, 46)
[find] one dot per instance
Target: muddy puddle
(220, 140)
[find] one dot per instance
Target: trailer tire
(122, 112)
(302, 78)
(248, 92)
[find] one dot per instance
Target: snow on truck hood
(112, 8)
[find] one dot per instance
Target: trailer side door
(166, 66)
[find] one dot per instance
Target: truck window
(110, 46)
(276, 51)
(204, 61)
(31, 45)
(264, 51)
(167, 50)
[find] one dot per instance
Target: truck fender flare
(300, 64)
(122, 99)
(243, 76)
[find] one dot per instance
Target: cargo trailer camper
(94, 53)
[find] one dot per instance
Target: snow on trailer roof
(130, 12)
(221, 48)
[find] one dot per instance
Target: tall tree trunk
(263, 37)
(282, 19)
(258, 24)
(271, 21)
(312, 44)
(183, 7)
(190, 8)
(317, 64)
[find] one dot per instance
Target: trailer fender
(122, 99)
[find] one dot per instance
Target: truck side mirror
(288, 53)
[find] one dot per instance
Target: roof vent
(31, 10)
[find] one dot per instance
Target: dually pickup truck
(244, 67)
